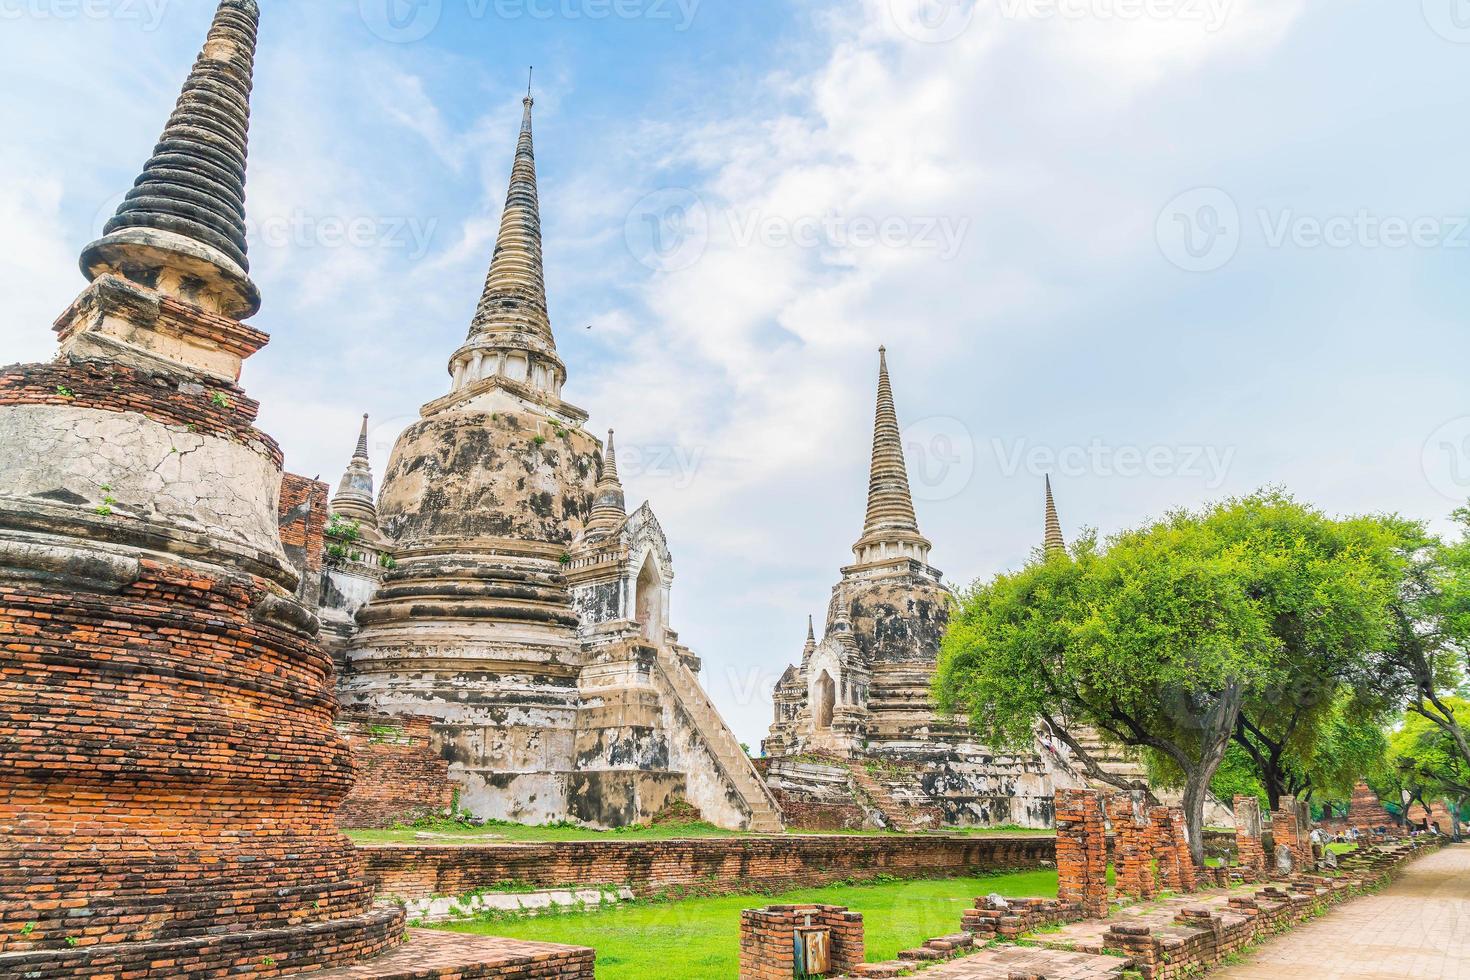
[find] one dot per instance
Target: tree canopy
(1250, 622)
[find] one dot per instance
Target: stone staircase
(735, 765)
(895, 814)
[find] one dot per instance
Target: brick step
(453, 956)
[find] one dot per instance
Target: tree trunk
(1217, 729)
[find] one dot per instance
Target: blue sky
(1168, 251)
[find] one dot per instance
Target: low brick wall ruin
(768, 939)
(1009, 919)
(713, 866)
(399, 778)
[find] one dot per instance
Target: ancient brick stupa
(169, 774)
(170, 769)
(525, 611)
(861, 694)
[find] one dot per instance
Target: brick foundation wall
(398, 777)
(171, 775)
(716, 865)
(768, 939)
(1082, 851)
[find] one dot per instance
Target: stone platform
(454, 956)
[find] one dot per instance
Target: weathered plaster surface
(463, 475)
(164, 473)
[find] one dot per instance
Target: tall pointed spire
(609, 507)
(891, 529)
(1055, 543)
(510, 335)
(811, 640)
(181, 229)
(355, 499)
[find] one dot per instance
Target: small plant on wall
(342, 529)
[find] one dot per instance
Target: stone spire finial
(355, 498)
(511, 329)
(181, 229)
(811, 640)
(609, 507)
(362, 445)
(891, 529)
(1055, 543)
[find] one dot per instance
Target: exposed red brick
(398, 776)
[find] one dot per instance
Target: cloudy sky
(1167, 250)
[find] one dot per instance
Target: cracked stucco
(152, 471)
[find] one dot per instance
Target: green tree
(1326, 588)
(1425, 660)
(1428, 762)
(1254, 623)
(1153, 641)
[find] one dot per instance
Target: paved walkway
(1419, 928)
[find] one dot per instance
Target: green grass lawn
(699, 939)
(450, 832)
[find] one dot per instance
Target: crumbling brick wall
(1010, 918)
(712, 865)
(1135, 847)
(1291, 827)
(768, 939)
(399, 778)
(1365, 811)
(170, 738)
(304, 510)
(1082, 851)
(1249, 848)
